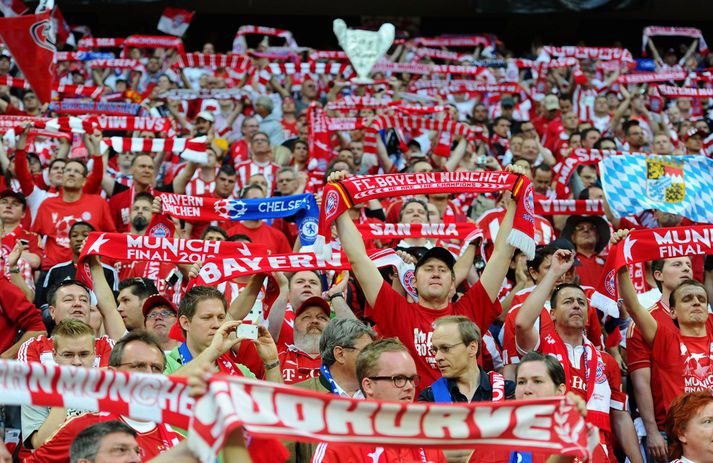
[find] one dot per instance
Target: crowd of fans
(483, 316)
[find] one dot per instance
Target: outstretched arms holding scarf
(641, 316)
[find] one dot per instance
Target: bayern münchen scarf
(653, 31)
(569, 207)
(79, 108)
(89, 43)
(301, 208)
(669, 91)
(339, 196)
(240, 45)
(131, 123)
(597, 53)
(269, 410)
(152, 41)
(647, 245)
(647, 77)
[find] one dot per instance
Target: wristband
(335, 296)
(14, 269)
(270, 366)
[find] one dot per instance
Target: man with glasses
(139, 352)
(73, 345)
(160, 316)
(385, 371)
(339, 347)
(260, 162)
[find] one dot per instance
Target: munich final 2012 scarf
(303, 208)
(674, 184)
(339, 196)
(270, 410)
(647, 245)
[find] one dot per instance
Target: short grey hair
(266, 102)
(87, 443)
(341, 332)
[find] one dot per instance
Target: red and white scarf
(653, 31)
(15, 82)
(463, 41)
(569, 207)
(70, 90)
(391, 231)
(240, 63)
(340, 196)
(132, 123)
(268, 410)
(149, 145)
(90, 43)
(669, 91)
(332, 55)
(118, 63)
(648, 245)
(152, 41)
(240, 45)
(652, 77)
(594, 53)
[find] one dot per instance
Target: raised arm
(386, 163)
(364, 269)
(456, 155)
(241, 305)
(526, 335)
(184, 176)
(113, 323)
(643, 319)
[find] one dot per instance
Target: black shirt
(484, 392)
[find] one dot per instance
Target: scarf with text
(338, 197)
(569, 207)
(301, 208)
(591, 53)
(89, 43)
(118, 63)
(203, 94)
(240, 44)
(462, 41)
(392, 231)
(333, 55)
(132, 123)
(80, 108)
(82, 55)
(128, 247)
(669, 91)
(653, 31)
(152, 41)
(648, 245)
(652, 77)
(268, 410)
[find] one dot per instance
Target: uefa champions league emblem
(364, 48)
(230, 209)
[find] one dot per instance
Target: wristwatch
(14, 269)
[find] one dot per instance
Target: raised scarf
(653, 31)
(152, 41)
(569, 207)
(669, 91)
(240, 44)
(240, 63)
(648, 245)
(80, 108)
(148, 145)
(598, 53)
(302, 208)
(118, 63)
(89, 43)
(391, 231)
(340, 196)
(652, 77)
(87, 91)
(277, 411)
(458, 41)
(131, 123)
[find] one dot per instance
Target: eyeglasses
(71, 355)
(161, 313)
(143, 366)
(123, 450)
(399, 381)
(585, 227)
(446, 348)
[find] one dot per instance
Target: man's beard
(307, 342)
(140, 223)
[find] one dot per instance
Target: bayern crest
(609, 283)
(332, 203)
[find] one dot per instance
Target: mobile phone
(172, 278)
(246, 331)
(481, 160)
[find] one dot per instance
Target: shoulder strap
(441, 394)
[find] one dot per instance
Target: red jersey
(297, 365)
(684, 363)
(274, 239)
(590, 270)
(349, 453)
(156, 439)
(16, 313)
(413, 324)
(55, 217)
(39, 349)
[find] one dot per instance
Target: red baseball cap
(314, 301)
(156, 300)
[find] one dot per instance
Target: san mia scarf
(300, 208)
(340, 196)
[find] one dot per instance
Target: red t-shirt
(39, 349)
(413, 324)
(120, 207)
(590, 270)
(683, 362)
(16, 313)
(55, 217)
(274, 239)
(297, 366)
(56, 450)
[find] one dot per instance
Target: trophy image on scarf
(364, 48)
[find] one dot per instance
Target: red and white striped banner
(240, 63)
(265, 409)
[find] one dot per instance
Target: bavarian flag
(680, 185)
